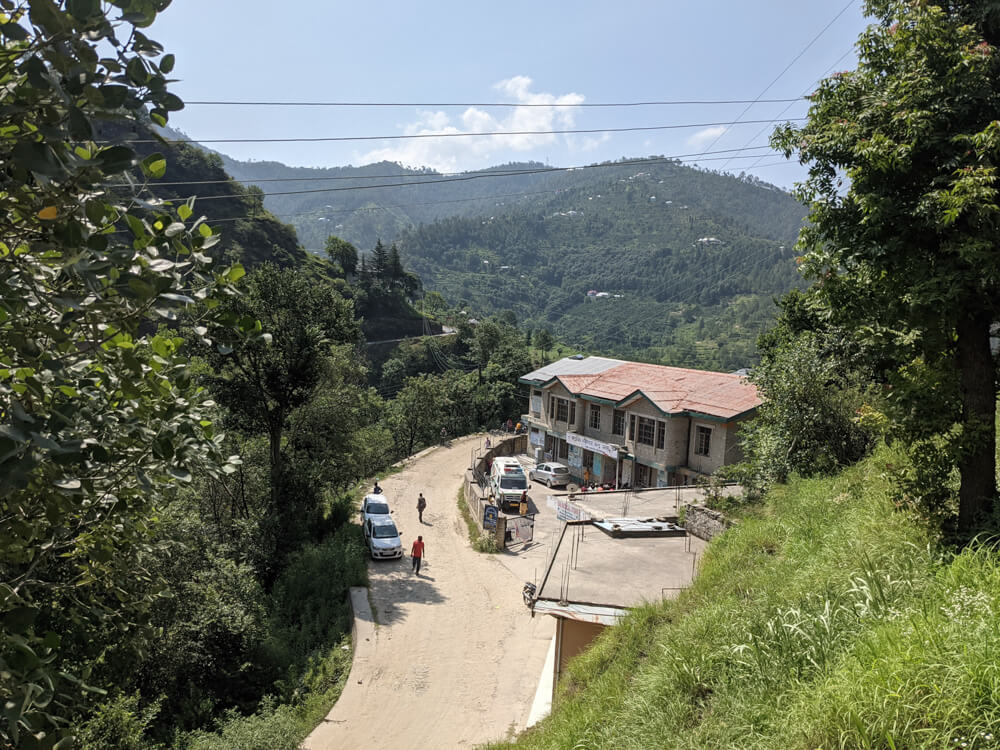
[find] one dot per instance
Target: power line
(584, 131)
(760, 132)
(785, 70)
(459, 178)
(665, 102)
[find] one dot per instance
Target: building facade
(628, 423)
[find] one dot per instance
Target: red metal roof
(671, 389)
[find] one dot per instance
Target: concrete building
(618, 422)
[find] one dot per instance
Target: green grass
(824, 619)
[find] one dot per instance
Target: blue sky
(513, 52)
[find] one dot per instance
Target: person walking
(417, 553)
(421, 504)
(377, 490)
(487, 442)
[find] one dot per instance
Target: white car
(375, 506)
(551, 474)
(383, 538)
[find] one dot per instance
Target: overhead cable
(410, 136)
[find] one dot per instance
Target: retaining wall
(703, 522)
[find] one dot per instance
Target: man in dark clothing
(416, 553)
(421, 504)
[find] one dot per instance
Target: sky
(516, 53)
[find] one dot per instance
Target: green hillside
(688, 261)
(824, 619)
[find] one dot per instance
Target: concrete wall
(572, 637)
(703, 522)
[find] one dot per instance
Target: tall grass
(823, 620)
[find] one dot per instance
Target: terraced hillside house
(618, 422)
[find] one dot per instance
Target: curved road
(455, 656)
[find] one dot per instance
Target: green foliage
(906, 253)
(119, 724)
(100, 417)
(343, 253)
(808, 421)
(309, 599)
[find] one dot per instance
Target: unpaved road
(455, 657)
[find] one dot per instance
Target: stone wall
(703, 522)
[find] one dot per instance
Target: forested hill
(687, 262)
(379, 201)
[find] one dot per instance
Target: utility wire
(786, 69)
(466, 177)
(666, 102)
(760, 132)
(326, 139)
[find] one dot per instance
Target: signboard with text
(594, 446)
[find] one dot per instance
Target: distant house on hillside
(629, 422)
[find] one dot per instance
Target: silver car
(374, 506)
(383, 538)
(551, 474)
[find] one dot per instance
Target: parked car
(551, 474)
(383, 538)
(374, 506)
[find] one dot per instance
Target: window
(631, 427)
(572, 412)
(552, 406)
(618, 423)
(562, 410)
(661, 433)
(703, 441)
(595, 416)
(646, 429)
(563, 449)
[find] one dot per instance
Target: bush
(118, 724)
(308, 604)
(271, 728)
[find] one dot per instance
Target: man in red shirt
(416, 553)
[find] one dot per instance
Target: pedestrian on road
(487, 442)
(377, 490)
(416, 553)
(421, 504)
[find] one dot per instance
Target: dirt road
(455, 656)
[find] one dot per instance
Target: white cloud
(705, 136)
(514, 125)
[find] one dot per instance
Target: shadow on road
(392, 593)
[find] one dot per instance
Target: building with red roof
(618, 422)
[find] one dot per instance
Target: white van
(507, 481)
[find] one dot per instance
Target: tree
(543, 340)
(263, 381)
(100, 418)
(904, 211)
(380, 262)
(343, 253)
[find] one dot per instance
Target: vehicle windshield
(377, 509)
(384, 531)
(514, 482)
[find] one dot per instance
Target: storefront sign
(595, 446)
